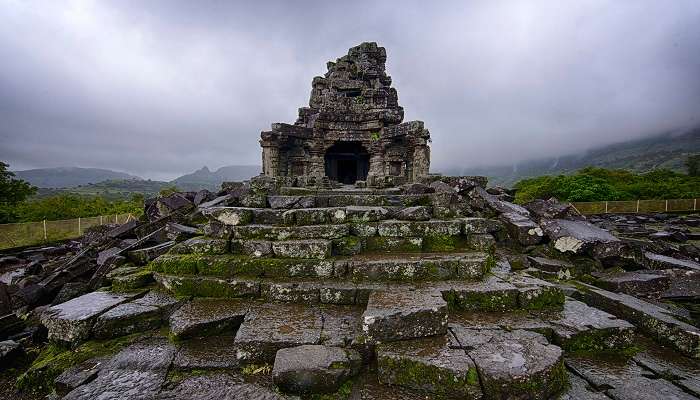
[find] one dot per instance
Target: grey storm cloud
(159, 88)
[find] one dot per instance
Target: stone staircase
(354, 292)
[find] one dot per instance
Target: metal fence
(637, 206)
(31, 233)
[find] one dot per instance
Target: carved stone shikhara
(352, 130)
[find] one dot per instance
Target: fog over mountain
(160, 88)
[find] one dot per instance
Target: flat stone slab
(341, 325)
(492, 294)
(395, 228)
(199, 245)
(310, 248)
(71, 322)
(681, 371)
(400, 314)
(521, 228)
(657, 322)
(550, 265)
(230, 216)
(270, 327)
(219, 386)
(215, 352)
(580, 236)
(515, 364)
(633, 282)
(136, 372)
(475, 225)
(429, 366)
(424, 267)
(582, 328)
(625, 380)
(206, 317)
(314, 369)
(126, 319)
(79, 375)
(209, 287)
(269, 232)
(658, 261)
(579, 389)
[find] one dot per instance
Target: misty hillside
(660, 151)
(205, 179)
(64, 177)
(110, 189)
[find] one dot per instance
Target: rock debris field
(434, 289)
(355, 274)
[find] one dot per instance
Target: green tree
(168, 190)
(693, 164)
(12, 192)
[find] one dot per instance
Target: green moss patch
(54, 359)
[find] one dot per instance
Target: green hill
(665, 151)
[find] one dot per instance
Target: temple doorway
(347, 162)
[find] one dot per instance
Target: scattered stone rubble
(437, 288)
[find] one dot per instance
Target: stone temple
(289, 286)
(352, 129)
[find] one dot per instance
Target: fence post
(115, 219)
(695, 204)
(79, 226)
(45, 235)
(637, 206)
(666, 205)
(606, 207)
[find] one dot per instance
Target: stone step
(576, 328)
(492, 295)
(343, 200)
(403, 313)
(207, 317)
(383, 267)
(72, 322)
(514, 364)
(495, 294)
(662, 325)
(430, 367)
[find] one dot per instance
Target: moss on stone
(54, 359)
(133, 281)
(384, 244)
(443, 243)
(497, 301)
(542, 298)
(347, 246)
(438, 382)
(343, 393)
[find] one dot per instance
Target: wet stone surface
(429, 366)
(216, 352)
(314, 368)
(219, 386)
(206, 317)
(71, 322)
(404, 314)
(633, 282)
(273, 326)
(517, 363)
(583, 328)
(625, 380)
(137, 372)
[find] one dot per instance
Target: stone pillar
(421, 161)
(270, 159)
(317, 164)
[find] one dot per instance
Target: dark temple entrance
(347, 162)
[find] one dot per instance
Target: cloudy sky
(160, 88)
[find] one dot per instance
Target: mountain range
(669, 150)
